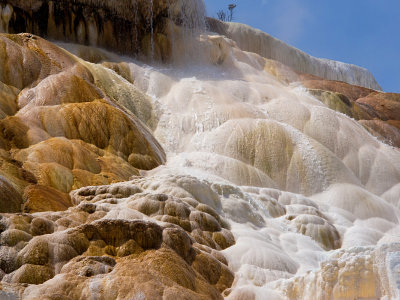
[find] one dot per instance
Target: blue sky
(361, 32)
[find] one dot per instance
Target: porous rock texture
(59, 128)
(122, 241)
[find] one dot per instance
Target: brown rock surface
(61, 130)
(112, 239)
(352, 92)
(130, 27)
(43, 198)
(386, 105)
(378, 112)
(384, 131)
(10, 199)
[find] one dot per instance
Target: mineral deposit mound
(149, 152)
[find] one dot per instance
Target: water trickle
(193, 13)
(190, 17)
(152, 29)
(136, 22)
(5, 17)
(171, 27)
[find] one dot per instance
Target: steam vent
(149, 152)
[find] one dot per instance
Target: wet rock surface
(129, 27)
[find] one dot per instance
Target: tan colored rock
(386, 105)
(318, 229)
(341, 103)
(384, 131)
(25, 61)
(44, 198)
(159, 253)
(378, 112)
(11, 200)
(31, 274)
(112, 236)
(65, 131)
(348, 274)
(353, 92)
(8, 97)
(198, 219)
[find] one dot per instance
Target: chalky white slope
(295, 179)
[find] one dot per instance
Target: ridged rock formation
(113, 245)
(256, 41)
(60, 131)
(260, 124)
(378, 112)
(222, 175)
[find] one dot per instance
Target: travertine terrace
(147, 152)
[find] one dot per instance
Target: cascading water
(193, 14)
(184, 23)
(190, 17)
(261, 145)
(136, 21)
(5, 17)
(151, 29)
